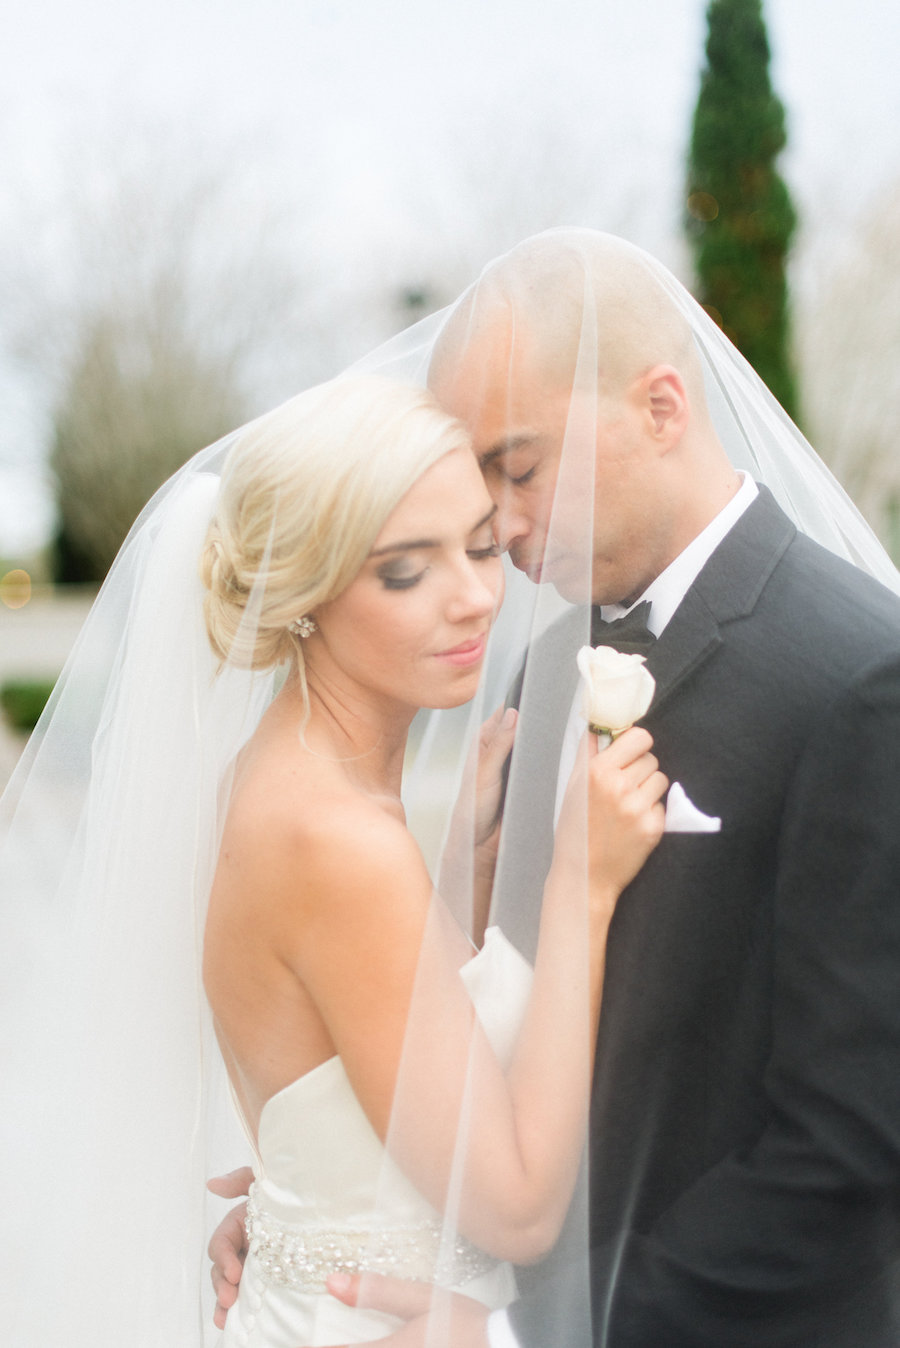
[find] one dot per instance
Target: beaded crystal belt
(302, 1257)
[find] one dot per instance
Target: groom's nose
(512, 523)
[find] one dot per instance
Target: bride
(415, 1098)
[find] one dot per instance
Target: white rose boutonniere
(618, 689)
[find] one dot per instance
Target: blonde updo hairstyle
(305, 491)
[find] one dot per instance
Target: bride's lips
(466, 653)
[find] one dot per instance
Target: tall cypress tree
(740, 218)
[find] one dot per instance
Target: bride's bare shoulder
(299, 829)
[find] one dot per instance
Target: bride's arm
(370, 945)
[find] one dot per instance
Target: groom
(745, 1130)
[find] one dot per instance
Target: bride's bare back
(278, 901)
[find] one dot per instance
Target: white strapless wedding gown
(326, 1197)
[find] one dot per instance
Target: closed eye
(402, 581)
(481, 554)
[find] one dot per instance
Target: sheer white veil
(114, 1109)
(116, 1106)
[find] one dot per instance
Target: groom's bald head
(587, 308)
(578, 377)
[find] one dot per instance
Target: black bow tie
(630, 634)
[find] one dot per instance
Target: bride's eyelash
(391, 582)
(401, 582)
(523, 477)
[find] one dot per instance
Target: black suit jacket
(745, 1134)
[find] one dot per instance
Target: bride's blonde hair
(305, 491)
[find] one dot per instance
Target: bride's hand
(618, 791)
(495, 741)
(465, 1320)
(476, 823)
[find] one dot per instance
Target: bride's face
(413, 625)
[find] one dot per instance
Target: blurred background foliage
(23, 700)
(739, 217)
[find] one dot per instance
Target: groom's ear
(663, 403)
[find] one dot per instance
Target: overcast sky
(363, 101)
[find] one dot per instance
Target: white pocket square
(682, 816)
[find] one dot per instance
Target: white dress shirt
(665, 594)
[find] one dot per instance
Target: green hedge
(23, 701)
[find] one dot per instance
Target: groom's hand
(228, 1244)
(466, 1320)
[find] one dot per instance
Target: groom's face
(571, 475)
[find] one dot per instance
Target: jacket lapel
(726, 589)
